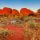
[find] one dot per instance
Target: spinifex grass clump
(34, 24)
(6, 34)
(32, 30)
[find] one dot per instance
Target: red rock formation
(25, 11)
(1, 11)
(15, 12)
(7, 10)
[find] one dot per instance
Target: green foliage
(5, 34)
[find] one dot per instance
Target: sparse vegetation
(20, 25)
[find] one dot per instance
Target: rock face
(7, 10)
(25, 11)
(1, 11)
(15, 12)
(15, 25)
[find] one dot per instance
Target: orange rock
(7, 10)
(1, 11)
(15, 12)
(25, 11)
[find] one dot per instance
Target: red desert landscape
(23, 25)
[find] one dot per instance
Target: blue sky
(18, 4)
